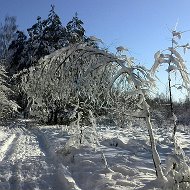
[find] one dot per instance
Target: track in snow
(24, 162)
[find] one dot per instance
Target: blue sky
(143, 26)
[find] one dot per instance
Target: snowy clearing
(33, 157)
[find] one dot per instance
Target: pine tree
(45, 37)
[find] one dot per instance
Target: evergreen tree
(34, 49)
(16, 52)
(75, 30)
(54, 34)
(45, 37)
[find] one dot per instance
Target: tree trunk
(155, 155)
(55, 118)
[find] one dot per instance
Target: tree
(178, 168)
(54, 34)
(8, 106)
(16, 52)
(75, 30)
(75, 74)
(56, 84)
(45, 37)
(175, 64)
(7, 35)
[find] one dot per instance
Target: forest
(79, 116)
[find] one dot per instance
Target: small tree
(175, 63)
(178, 171)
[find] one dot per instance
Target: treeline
(20, 53)
(161, 109)
(52, 94)
(44, 37)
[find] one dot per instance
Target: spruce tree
(16, 52)
(54, 34)
(75, 30)
(45, 37)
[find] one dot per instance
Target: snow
(33, 157)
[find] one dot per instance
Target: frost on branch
(67, 76)
(175, 62)
(7, 106)
(177, 171)
(80, 75)
(121, 49)
(178, 178)
(95, 39)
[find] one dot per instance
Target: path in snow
(24, 163)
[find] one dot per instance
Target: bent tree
(81, 75)
(175, 65)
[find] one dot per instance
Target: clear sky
(143, 26)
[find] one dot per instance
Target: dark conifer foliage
(75, 30)
(16, 51)
(54, 33)
(44, 37)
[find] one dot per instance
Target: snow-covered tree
(175, 63)
(7, 35)
(178, 170)
(76, 74)
(56, 84)
(8, 106)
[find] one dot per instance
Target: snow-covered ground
(33, 157)
(25, 163)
